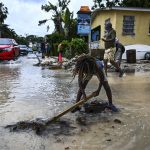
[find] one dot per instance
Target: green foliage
(54, 39)
(76, 46)
(57, 11)
(66, 48)
(136, 3)
(98, 4)
(34, 39)
(124, 3)
(22, 40)
(6, 32)
(3, 12)
(67, 19)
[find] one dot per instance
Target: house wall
(142, 21)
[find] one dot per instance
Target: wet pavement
(28, 92)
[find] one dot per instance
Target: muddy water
(28, 92)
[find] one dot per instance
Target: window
(128, 25)
(96, 34)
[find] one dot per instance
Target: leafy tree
(124, 3)
(75, 47)
(54, 39)
(78, 46)
(136, 3)
(58, 11)
(22, 40)
(105, 3)
(69, 25)
(5, 31)
(3, 16)
(34, 39)
(3, 13)
(67, 17)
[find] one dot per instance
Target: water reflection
(33, 90)
(9, 75)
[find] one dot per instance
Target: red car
(9, 49)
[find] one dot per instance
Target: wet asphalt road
(28, 92)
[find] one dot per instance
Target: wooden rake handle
(82, 101)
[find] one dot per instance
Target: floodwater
(28, 92)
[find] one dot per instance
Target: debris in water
(117, 121)
(99, 107)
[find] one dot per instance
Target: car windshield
(6, 42)
(22, 46)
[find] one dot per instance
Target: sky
(24, 15)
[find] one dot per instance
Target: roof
(84, 9)
(117, 8)
(129, 8)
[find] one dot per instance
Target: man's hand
(96, 93)
(103, 39)
(84, 95)
(83, 92)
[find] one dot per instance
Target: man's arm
(113, 37)
(101, 77)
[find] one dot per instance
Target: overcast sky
(24, 15)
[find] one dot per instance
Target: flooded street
(28, 92)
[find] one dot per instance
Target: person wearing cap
(110, 48)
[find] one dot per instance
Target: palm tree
(7, 32)
(67, 18)
(58, 11)
(3, 15)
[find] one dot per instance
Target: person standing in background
(110, 49)
(60, 52)
(48, 50)
(43, 49)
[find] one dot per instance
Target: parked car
(23, 49)
(30, 50)
(142, 51)
(9, 49)
(147, 56)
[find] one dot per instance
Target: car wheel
(147, 56)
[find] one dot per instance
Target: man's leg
(115, 64)
(109, 96)
(118, 57)
(105, 66)
(108, 91)
(79, 95)
(107, 57)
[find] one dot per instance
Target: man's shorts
(110, 54)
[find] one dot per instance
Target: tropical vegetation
(123, 3)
